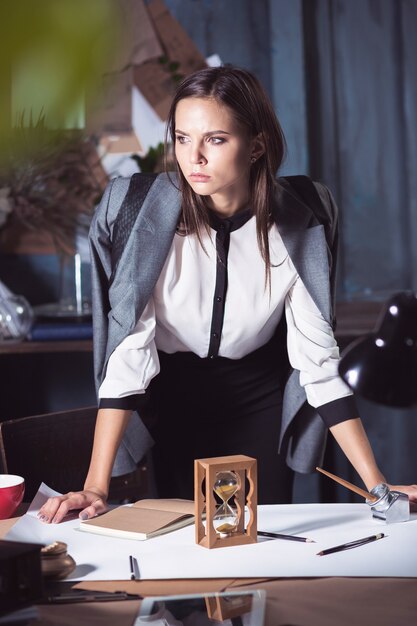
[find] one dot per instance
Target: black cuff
(337, 411)
(128, 403)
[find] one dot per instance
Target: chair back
(53, 448)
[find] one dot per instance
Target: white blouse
(179, 316)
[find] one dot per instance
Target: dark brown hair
(244, 95)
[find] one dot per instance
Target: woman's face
(214, 152)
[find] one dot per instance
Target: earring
(253, 159)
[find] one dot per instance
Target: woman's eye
(217, 141)
(181, 139)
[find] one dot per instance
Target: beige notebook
(143, 519)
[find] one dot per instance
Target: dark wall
(32, 384)
(361, 59)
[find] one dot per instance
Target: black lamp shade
(382, 367)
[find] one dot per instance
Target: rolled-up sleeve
(312, 349)
(132, 365)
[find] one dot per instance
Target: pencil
(264, 533)
(351, 544)
(345, 483)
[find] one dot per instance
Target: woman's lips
(199, 178)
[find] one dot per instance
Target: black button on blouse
(223, 228)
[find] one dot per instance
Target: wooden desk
(298, 602)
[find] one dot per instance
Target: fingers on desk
(57, 508)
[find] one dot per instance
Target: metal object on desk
(56, 563)
(391, 506)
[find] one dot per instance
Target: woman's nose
(197, 156)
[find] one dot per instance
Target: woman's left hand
(410, 490)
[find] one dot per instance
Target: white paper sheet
(176, 555)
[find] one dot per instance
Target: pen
(351, 544)
(264, 533)
(134, 568)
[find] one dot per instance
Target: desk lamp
(382, 367)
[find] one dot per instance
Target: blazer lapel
(161, 208)
(305, 241)
(142, 259)
(152, 237)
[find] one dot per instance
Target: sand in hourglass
(226, 518)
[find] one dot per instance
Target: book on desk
(61, 331)
(142, 520)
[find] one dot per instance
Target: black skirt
(217, 407)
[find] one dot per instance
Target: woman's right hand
(90, 502)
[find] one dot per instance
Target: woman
(224, 272)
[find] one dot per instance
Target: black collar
(234, 222)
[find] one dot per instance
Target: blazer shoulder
(118, 188)
(107, 209)
(160, 185)
(327, 199)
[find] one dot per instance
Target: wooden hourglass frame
(245, 468)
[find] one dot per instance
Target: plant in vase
(50, 182)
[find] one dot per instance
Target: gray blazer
(117, 307)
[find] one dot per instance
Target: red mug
(12, 489)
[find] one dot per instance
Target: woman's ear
(257, 147)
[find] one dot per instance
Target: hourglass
(227, 477)
(226, 518)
